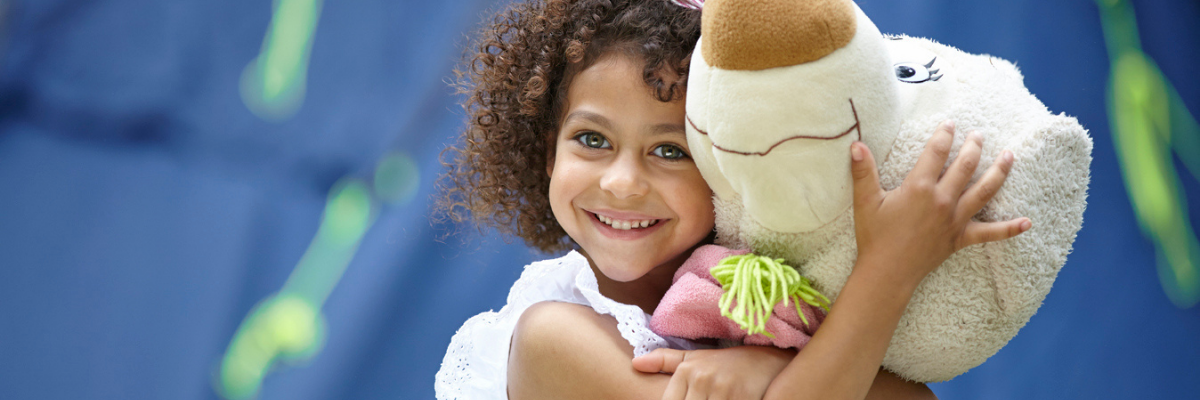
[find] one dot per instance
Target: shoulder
(562, 350)
(562, 325)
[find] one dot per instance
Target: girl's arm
(902, 235)
(563, 350)
(742, 373)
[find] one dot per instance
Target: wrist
(887, 274)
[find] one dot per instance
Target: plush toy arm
(699, 306)
(977, 301)
(1048, 184)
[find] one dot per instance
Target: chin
(622, 271)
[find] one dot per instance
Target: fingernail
(975, 136)
(949, 124)
(855, 152)
(1026, 225)
(1008, 156)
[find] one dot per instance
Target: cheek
(694, 199)
(555, 192)
(566, 183)
(559, 200)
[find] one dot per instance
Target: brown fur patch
(761, 34)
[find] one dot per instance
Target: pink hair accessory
(692, 4)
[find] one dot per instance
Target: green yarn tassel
(758, 283)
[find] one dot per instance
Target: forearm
(843, 357)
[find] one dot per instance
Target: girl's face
(622, 183)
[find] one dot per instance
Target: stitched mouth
(853, 128)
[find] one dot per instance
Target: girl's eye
(670, 152)
(593, 140)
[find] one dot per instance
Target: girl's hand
(742, 372)
(920, 224)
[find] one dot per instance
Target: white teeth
(626, 225)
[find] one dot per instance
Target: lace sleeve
(459, 374)
(476, 363)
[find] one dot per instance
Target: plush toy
(778, 89)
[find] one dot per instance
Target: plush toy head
(778, 90)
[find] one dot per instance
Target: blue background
(144, 210)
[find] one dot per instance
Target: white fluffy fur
(975, 302)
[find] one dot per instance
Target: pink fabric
(690, 308)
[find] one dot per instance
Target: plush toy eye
(916, 73)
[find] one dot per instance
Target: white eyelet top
(476, 363)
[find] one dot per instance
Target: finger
(988, 185)
(867, 192)
(983, 232)
(676, 389)
(954, 182)
(937, 150)
(659, 360)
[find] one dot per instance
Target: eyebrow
(662, 129)
(656, 130)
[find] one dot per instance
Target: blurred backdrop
(221, 198)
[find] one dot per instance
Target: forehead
(614, 87)
(612, 72)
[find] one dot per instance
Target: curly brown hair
(515, 80)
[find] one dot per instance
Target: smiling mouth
(625, 224)
(853, 128)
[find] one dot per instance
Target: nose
(757, 35)
(625, 178)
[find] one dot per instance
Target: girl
(576, 141)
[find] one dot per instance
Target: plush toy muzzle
(780, 112)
